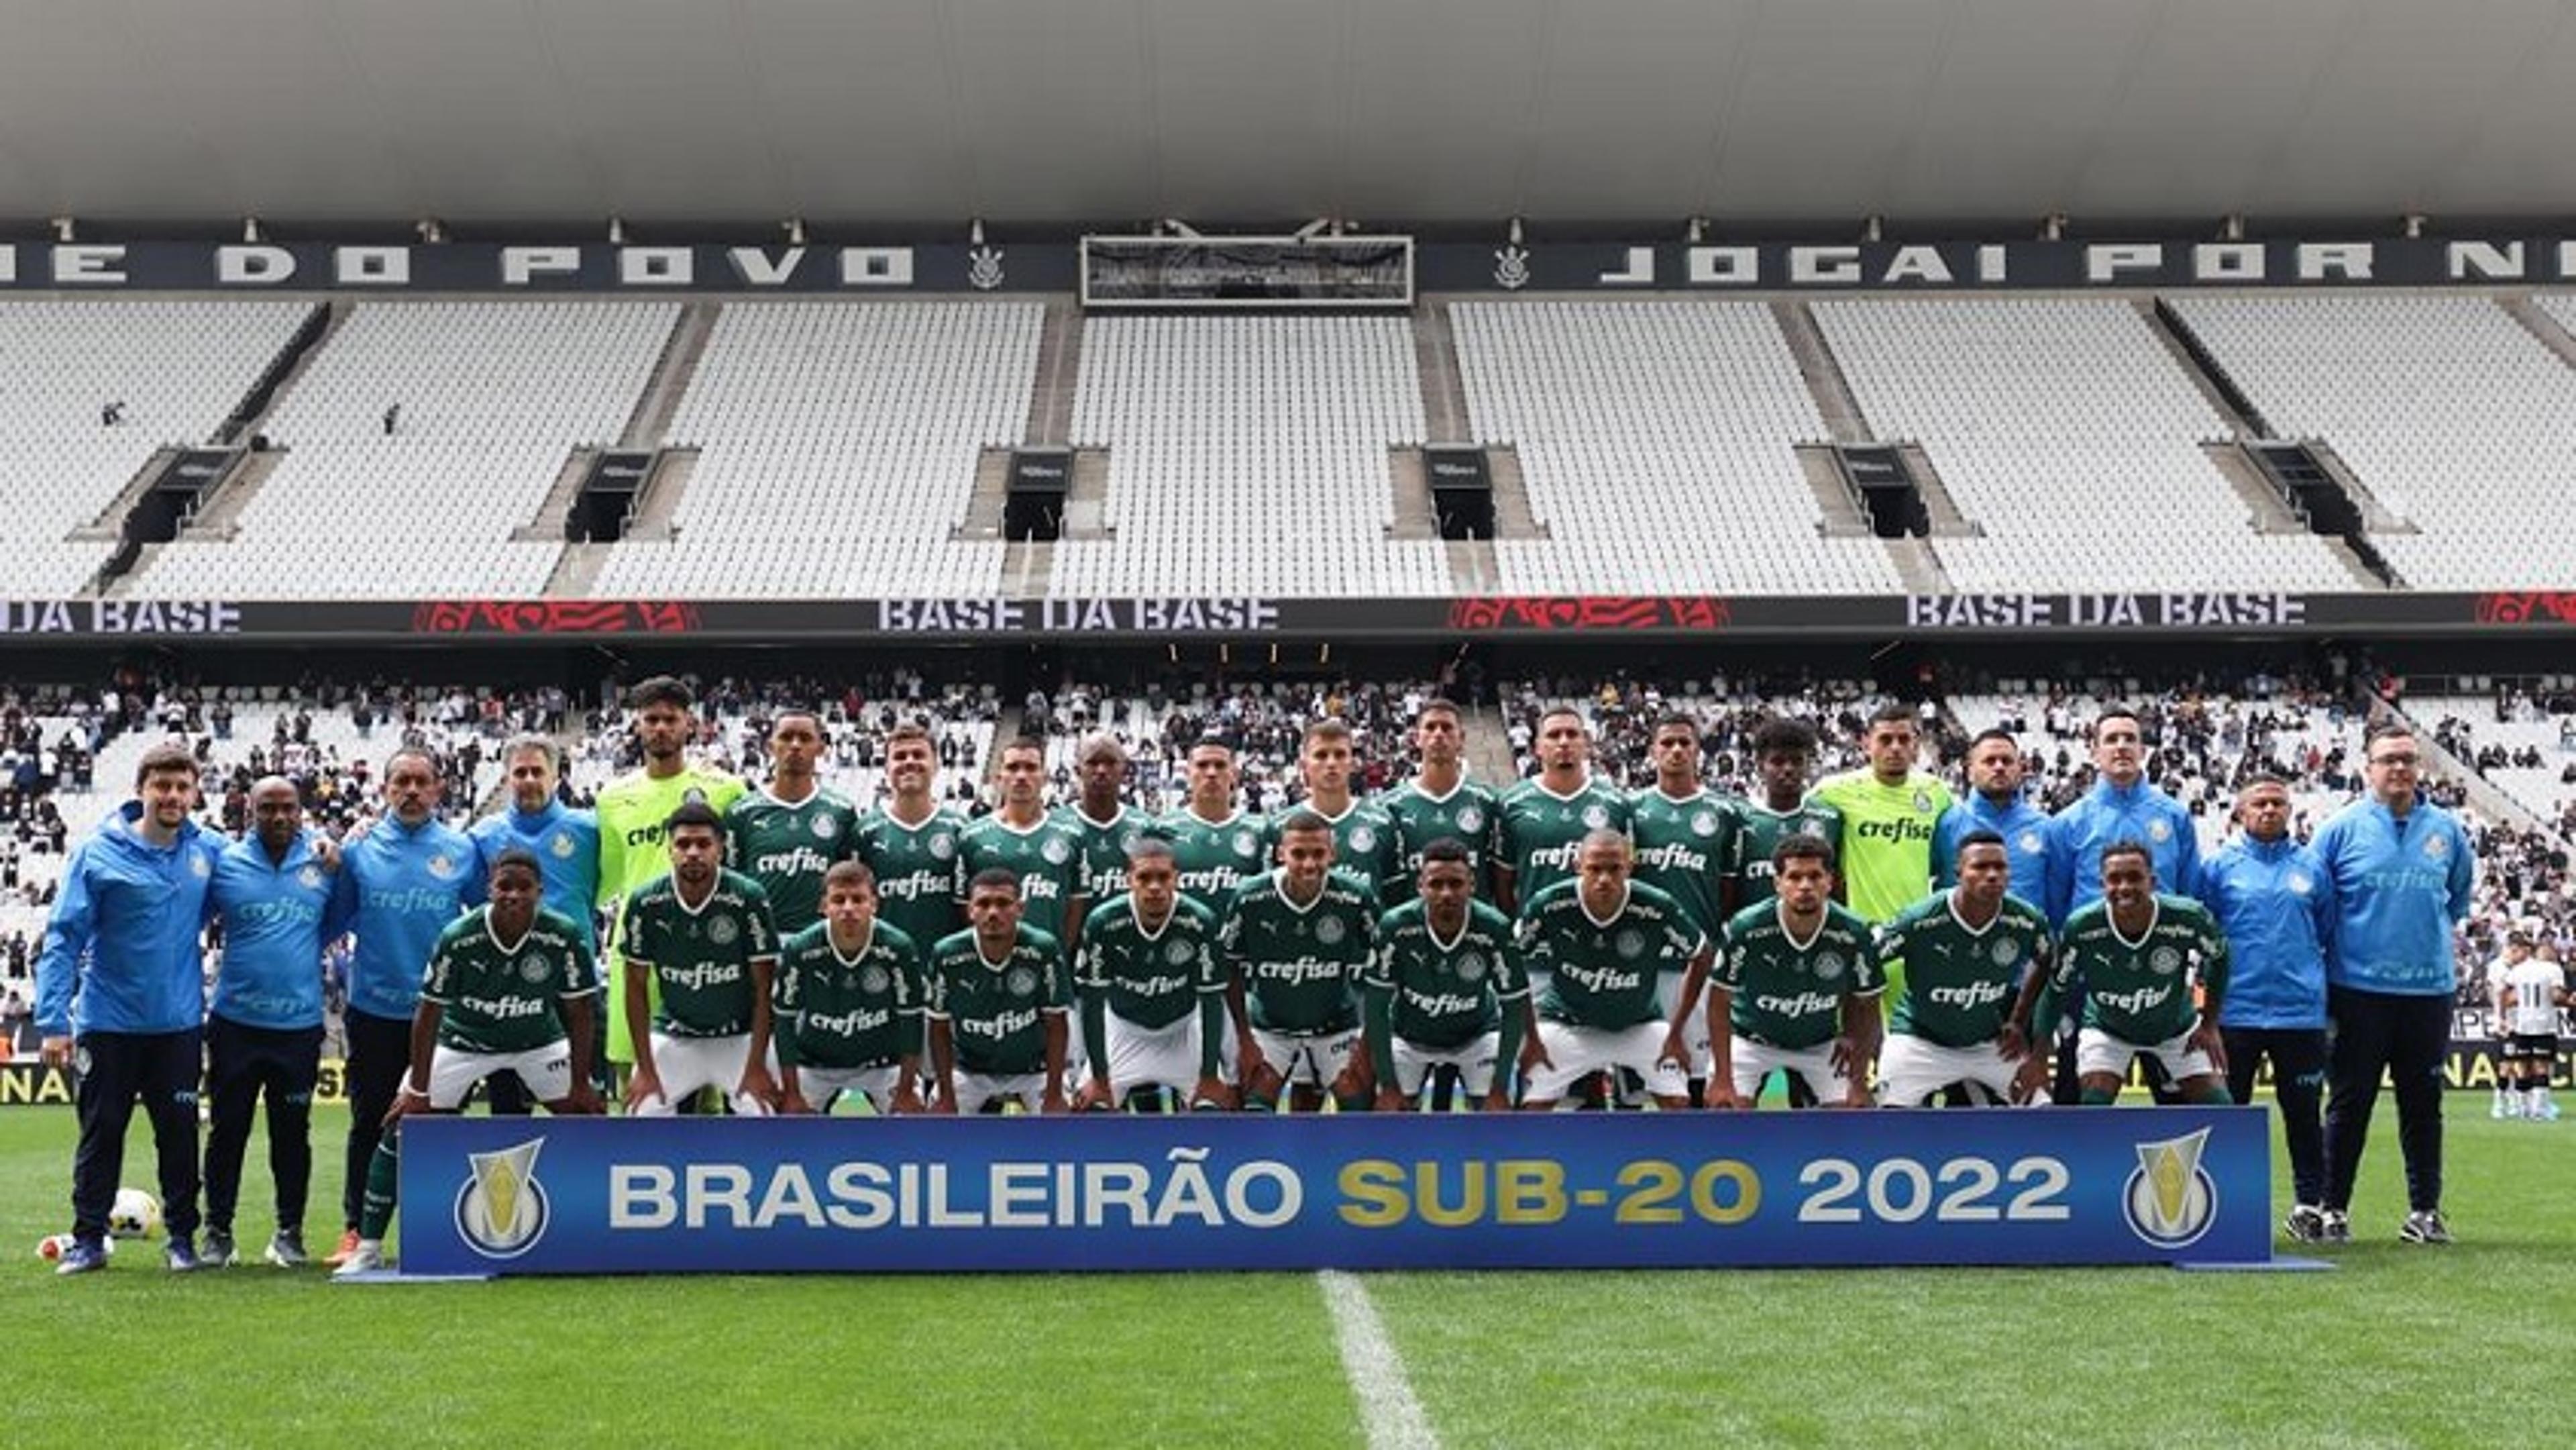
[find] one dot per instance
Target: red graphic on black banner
(2526, 606)
(554, 616)
(1578, 612)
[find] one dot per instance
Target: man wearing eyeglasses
(2401, 869)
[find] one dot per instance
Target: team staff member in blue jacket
(400, 884)
(273, 894)
(1994, 802)
(2121, 806)
(120, 999)
(2401, 873)
(566, 844)
(2277, 905)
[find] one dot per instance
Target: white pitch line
(1389, 1413)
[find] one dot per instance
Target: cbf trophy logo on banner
(2170, 1199)
(502, 1208)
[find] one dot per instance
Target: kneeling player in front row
(510, 987)
(1153, 997)
(1605, 940)
(1446, 989)
(702, 933)
(2134, 952)
(1797, 989)
(1296, 940)
(1965, 951)
(848, 1004)
(999, 993)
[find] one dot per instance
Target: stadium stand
(2048, 416)
(837, 447)
(422, 503)
(1658, 443)
(2448, 412)
(2524, 742)
(1248, 455)
(166, 372)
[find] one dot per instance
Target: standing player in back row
(1784, 759)
(1439, 804)
(1108, 825)
(787, 834)
(1540, 823)
(703, 935)
(1216, 845)
(1364, 839)
(1044, 850)
(1891, 811)
(910, 842)
(1685, 848)
(633, 811)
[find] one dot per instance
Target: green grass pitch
(2399, 1346)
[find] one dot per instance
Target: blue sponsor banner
(1591, 1191)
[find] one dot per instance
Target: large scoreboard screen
(1267, 272)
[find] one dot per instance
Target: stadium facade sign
(1054, 265)
(1114, 1193)
(1756, 616)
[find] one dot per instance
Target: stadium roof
(875, 111)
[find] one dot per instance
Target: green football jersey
(497, 999)
(787, 848)
(1364, 843)
(1447, 994)
(1152, 979)
(702, 958)
(844, 1012)
(1602, 973)
(1215, 858)
(1685, 848)
(1759, 832)
(1104, 847)
(631, 811)
(1960, 984)
(1464, 815)
(916, 869)
(1047, 857)
(2141, 991)
(1300, 965)
(1887, 838)
(996, 1011)
(1789, 993)
(1538, 832)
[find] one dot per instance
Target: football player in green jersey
(1891, 811)
(1971, 947)
(1295, 944)
(633, 808)
(1686, 850)
(1109, 825)
(510, 987)
(999, 995)
(788, 833)
(1023, 837)
(1446, 988)
(1784, 758)
(1153, 995)
(849, 1004)
(1440, 803)
(1605, 938)
(1540, 822)
(1797, 990)
(1217, 846)
(2137, 954)
(911, 843)
(705, 935)
(1364, 842)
